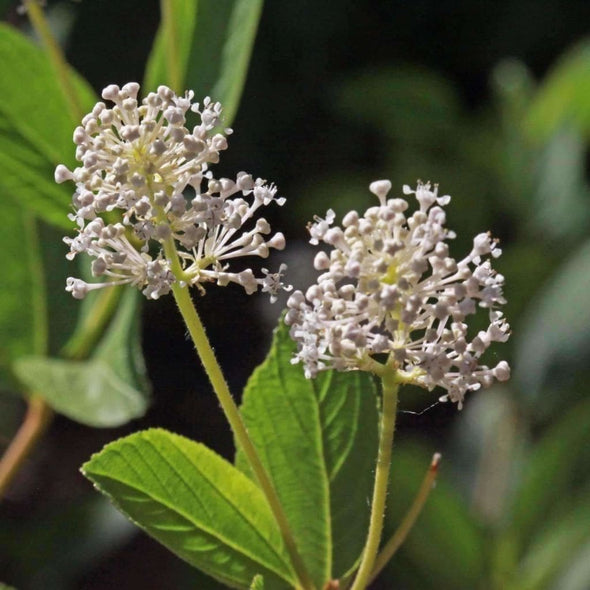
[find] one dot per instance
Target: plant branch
(36, 420)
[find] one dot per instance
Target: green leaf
(177, 41)
(35, 128)
(318, 442)
(36, 314)
(556, 330)
(214, 43)
(239, 36)
(552, 470)
(257, 583)
(22, 298)
(563, 97)
(104, 391)
(196, 504)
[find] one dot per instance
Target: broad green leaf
(556, 330)
(214, 42)
(196, 504)
(36, 314)
(318, 441)
(555, 547)
(444, 533)
(23, 322)
(257, 583)
(35, 128)
(563, 97)
(105, 391)
(551, 471)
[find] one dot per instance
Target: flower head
(391, 295)
(139, 162)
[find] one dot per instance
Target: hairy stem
(211, 366)
(409, 520)
(390, 385)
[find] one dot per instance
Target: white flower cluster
(389, 288)
(138, 161)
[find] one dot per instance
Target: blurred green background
(492, 101)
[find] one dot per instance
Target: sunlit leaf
(317, 439)
(196, 504)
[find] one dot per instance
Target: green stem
(60, 66)
(409, 520)
(231, 411)
(170, 35)
(390, 385)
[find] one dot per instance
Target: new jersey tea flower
(390, 294)
(140, 161)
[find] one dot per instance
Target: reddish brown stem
(37, 418)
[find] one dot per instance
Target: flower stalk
(390, 386)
